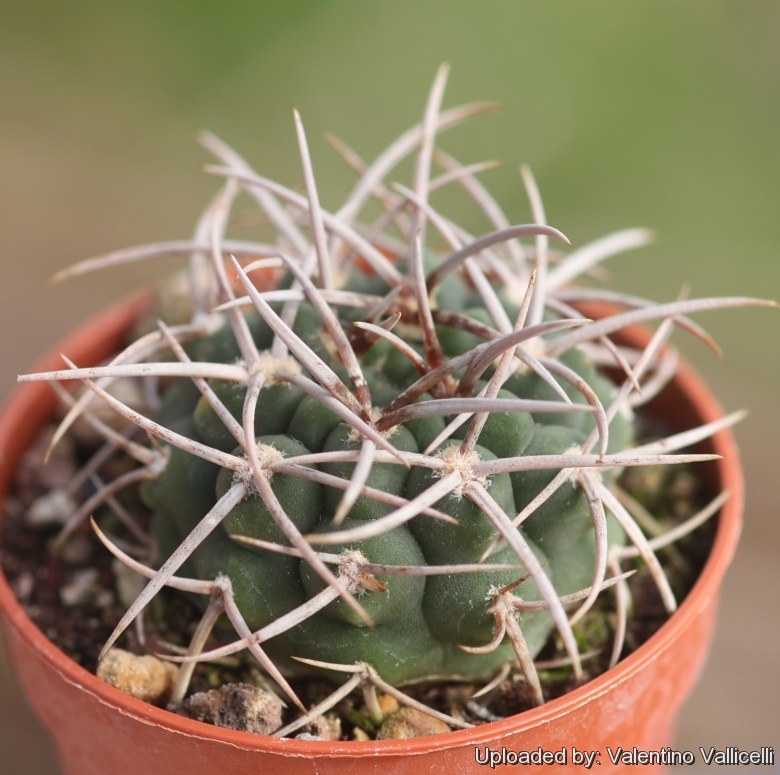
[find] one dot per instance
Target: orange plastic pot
(99, 730)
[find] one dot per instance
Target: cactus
(382, 453)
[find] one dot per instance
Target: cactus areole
(388, 449)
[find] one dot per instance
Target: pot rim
(32, 403)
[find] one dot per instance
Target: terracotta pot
(101, 730)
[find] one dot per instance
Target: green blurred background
(663, 114)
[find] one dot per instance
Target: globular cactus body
(387, 458)
(418, 623)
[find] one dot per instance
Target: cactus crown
(383, 457)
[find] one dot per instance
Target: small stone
(326, 727)
(387, 704)
(23, 586)
(80, 588)
(410, 722)
(145, 677)
(104, 598)
(237, 706)
(127, 582)
(52, 508)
